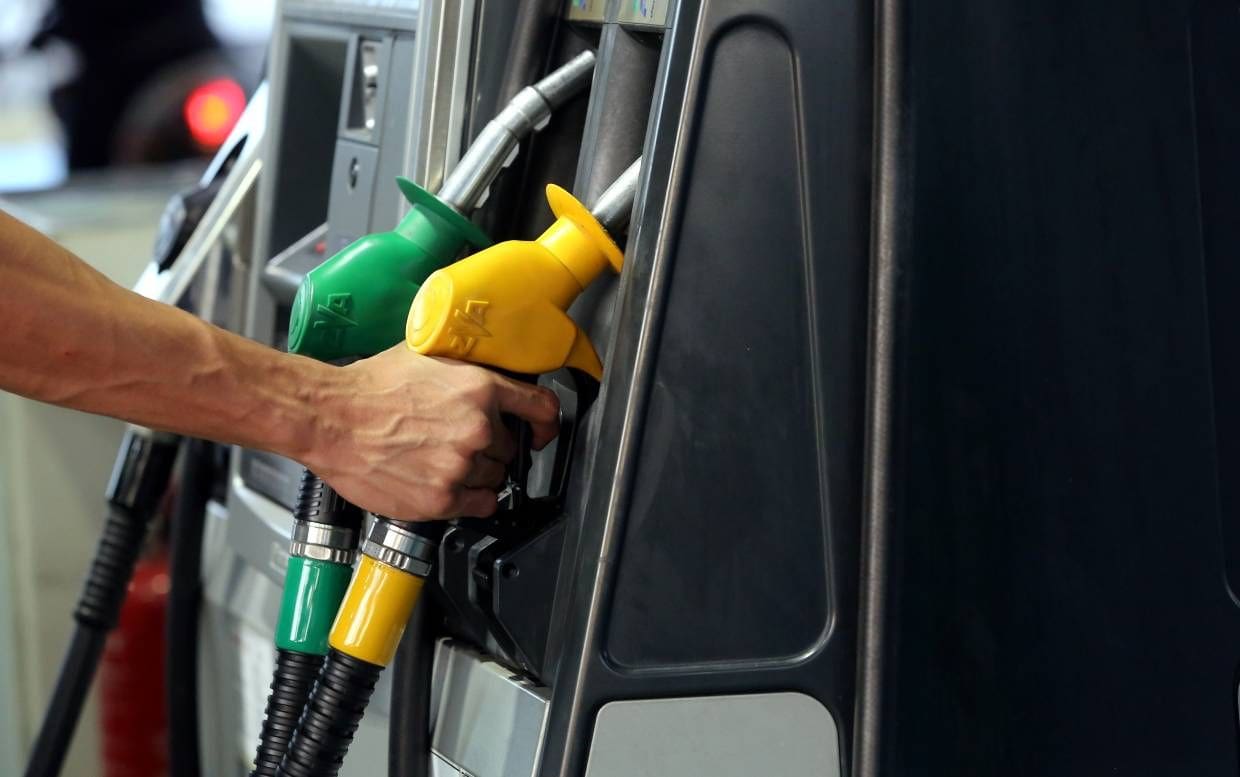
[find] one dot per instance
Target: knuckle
(457, 467)
(476, 431)
(479, 384)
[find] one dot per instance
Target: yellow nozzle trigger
(506, 306)
(583, 357)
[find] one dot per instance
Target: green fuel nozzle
(349, 305)
(354, 304)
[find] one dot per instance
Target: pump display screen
(643, 13)
(586, 11)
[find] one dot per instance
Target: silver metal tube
(615, 205)
(467, 185)
(566, 80)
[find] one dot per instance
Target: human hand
(414, 437)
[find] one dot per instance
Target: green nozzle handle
(355, 303)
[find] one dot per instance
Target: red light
(212, 109)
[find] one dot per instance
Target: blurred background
(107, 109)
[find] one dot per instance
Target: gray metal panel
(259, 529)
(353, 184)
(488, 721)
(437, 102)
(273, 198)
(771, 734)
(394, 14)
(369, 67)
(441, 768)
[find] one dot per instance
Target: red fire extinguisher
(133, 714)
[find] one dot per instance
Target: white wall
(54, 467)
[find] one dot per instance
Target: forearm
(78, 340)
(400, 434)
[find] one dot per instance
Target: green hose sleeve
(312, 593)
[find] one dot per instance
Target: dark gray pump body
(713, 525)
(707, 538)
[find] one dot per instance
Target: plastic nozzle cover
(507, 306)
(354, 304)
(466, 186)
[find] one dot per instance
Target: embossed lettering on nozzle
(495, 147)
(615, 205)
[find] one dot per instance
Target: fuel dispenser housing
(910, 448)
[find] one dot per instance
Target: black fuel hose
(77, 671)
(185, 605)
(396, 560)
(139, 479)
(409, 721)
(291, 683)
(325, 532)
(331, 716)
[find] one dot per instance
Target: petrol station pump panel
(350, 112)
(740, 240)
(661, 561)
(675, 563)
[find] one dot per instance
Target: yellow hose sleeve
(374, 612)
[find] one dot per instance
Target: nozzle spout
(466, 186)
(615, 206)
(566, 80)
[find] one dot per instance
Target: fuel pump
(506, 307)
(355, 305)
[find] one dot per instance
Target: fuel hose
(396, 558)
(325, 531)
(139, 479)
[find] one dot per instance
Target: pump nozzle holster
(354, 303)
(506, 306)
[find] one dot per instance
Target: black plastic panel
(727, 508)
(1215, 46)
(713, 516)
(1056, 601)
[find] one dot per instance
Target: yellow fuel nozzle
(506, 306)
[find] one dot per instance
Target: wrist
(323, 396)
